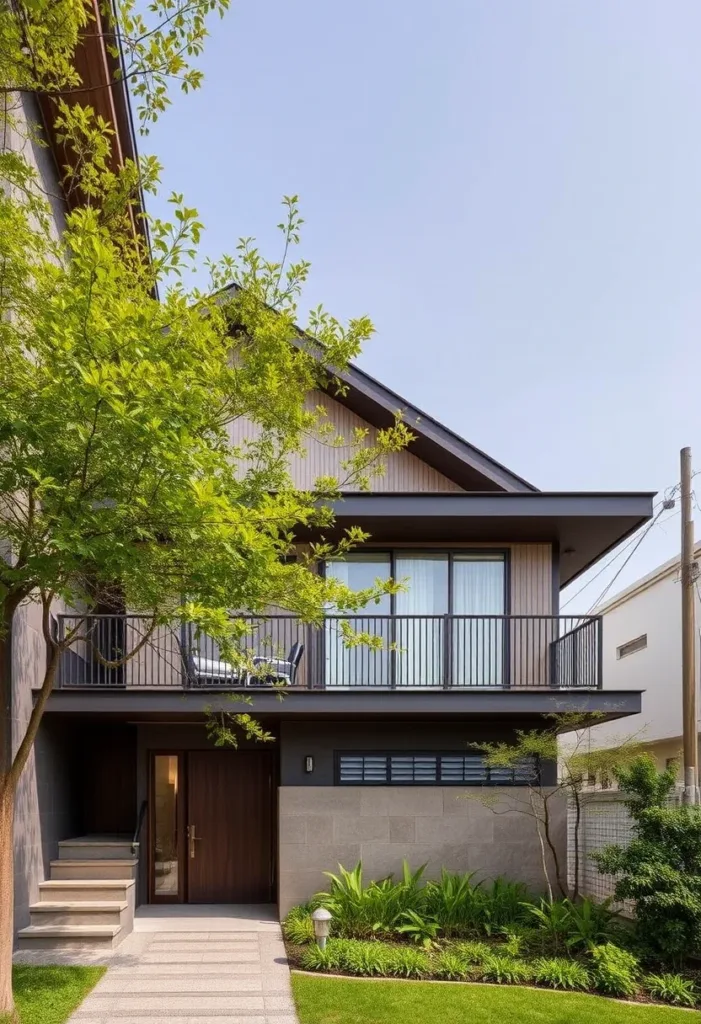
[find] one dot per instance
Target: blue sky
(511, 190)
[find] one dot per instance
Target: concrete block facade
(442, 826)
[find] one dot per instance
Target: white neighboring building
(642, 651)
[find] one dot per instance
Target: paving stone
(193, 1002)
(201, 947)
(232, 970)
(212, 984)
(194, 970)
(244, 957)
(279, 1004)
(274, 985)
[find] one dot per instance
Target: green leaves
(660, 869)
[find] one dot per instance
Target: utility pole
(691, 739)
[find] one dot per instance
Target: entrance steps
(88, 903)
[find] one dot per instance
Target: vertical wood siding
(531, 594)
(403, 471)
(531, 579)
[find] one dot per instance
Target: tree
(575, 763)
(660, 869)
(118, 481)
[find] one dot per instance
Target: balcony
(414, 653)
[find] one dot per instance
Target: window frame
(438, 781)
(451, 553)
(621, 651)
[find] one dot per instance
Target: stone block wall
(458, 829)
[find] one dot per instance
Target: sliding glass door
(477, 648)
(421, 609)
(445, 627)
(359, 665)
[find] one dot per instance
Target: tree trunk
(577, 823)
(551, 846)
(7, 807)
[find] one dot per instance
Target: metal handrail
(450, 651)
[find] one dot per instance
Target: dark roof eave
(372, 704)
(583, 527)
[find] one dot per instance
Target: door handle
(192, 838)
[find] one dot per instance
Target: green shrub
(450, 965)
(407, 962)
(472, 952)
(671, 988)
(316, 959)
(513, 943)
(505, 904)
(552, 919)
(298, 926)
(660, 869)
(504, 969)
(589, 924)
(615, 970)
(558, 972)
(365, 958)
(457, 904)
(360, 911)
(419, 929)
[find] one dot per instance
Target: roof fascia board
(431, 429)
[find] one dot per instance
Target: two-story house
(125, 799)
(371, 759)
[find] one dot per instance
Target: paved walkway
(194, 965)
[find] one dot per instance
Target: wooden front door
(229, 826)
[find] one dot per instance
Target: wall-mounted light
(309, 764)
(322, 926)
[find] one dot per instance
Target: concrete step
(88, 869)
(70, 890)
(96, 848)
(79, 912)
(66, 936)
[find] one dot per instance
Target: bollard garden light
(322, 926)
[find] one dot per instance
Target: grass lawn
(49, 995)
(337, 1001)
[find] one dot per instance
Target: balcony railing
(437, 652)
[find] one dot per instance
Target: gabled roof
(435, 444)
(103, 88)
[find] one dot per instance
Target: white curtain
(420, 646)
(478, 644)
(361, 665)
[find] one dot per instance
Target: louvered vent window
(407, 769)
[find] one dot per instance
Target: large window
(445, 626)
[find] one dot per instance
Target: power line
(613, 579)
(660, 506)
